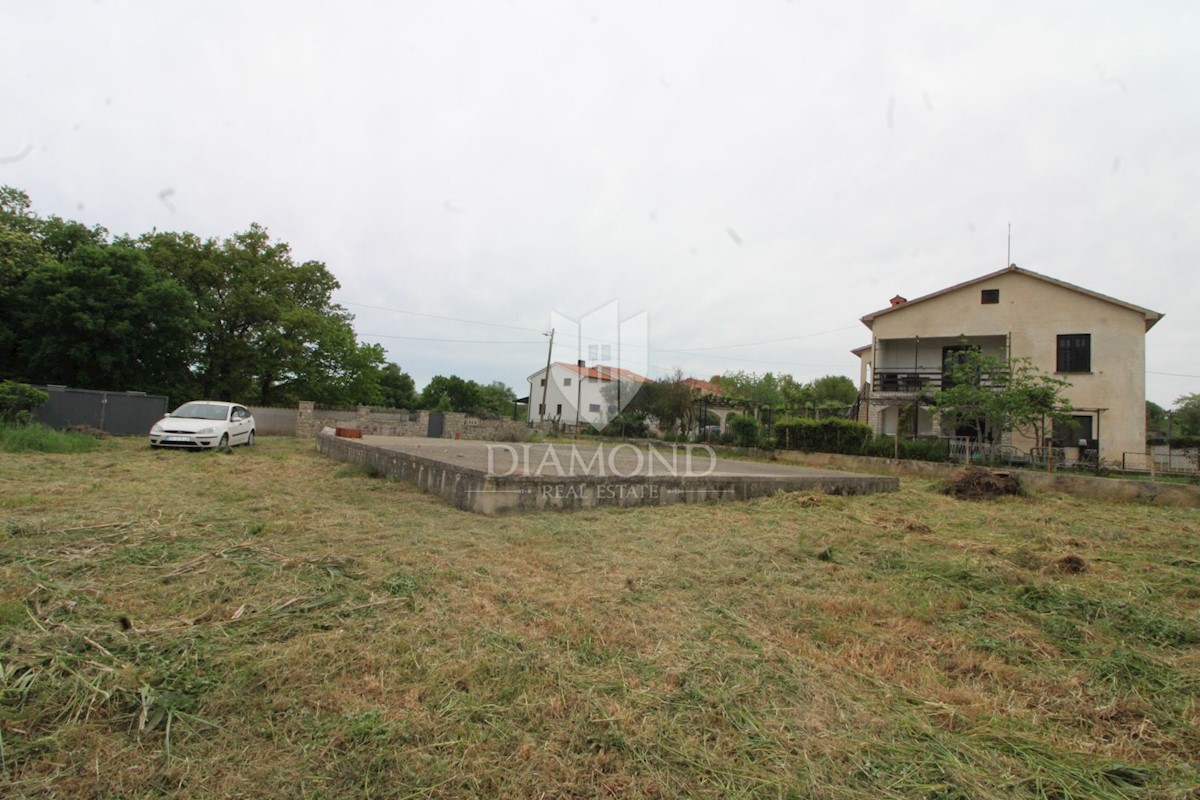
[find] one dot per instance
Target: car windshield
(201, 411)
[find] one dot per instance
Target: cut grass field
(270, 623)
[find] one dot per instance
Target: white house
(1094, 342)
(581, 395)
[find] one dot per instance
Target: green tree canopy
(669, 401)
(835, 391)
(450, 393)
(104, 319)
(990, 395)
(235, 318)
(1185, 416)
(397, 388)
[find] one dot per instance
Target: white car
(204, 424)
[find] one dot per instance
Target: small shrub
(744, 429)
(18, 401)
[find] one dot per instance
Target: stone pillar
(874, 418)
(304, 418)
(364, 419)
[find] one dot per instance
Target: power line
(591, 338)
(448, 319)
(431, 339)
(770, 341)
(1171, 374)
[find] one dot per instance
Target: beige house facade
(1095, 342)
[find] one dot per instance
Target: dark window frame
(1080, 427)
(989, 297)
(1073, 353)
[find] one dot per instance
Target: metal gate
(121, 413)
(435, 425)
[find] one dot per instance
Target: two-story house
(1095, 342)
(580, 394)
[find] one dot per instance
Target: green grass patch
(276, 624)
(41, 439)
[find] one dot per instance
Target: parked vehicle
(203, 425)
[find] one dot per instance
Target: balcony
(919, 380)
(907, 380)
(911, 367)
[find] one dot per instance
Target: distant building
(714, 398)
(594, 388)
(1095, 342)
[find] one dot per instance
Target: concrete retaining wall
(311, 420)
(274, 421)
(472, 489)
(1165, 494)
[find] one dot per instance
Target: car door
(239, 424)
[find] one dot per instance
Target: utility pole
(546, 377)
(579, 391)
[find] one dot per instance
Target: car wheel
(224, 443)
(250, 439)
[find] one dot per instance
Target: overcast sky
(755, 176)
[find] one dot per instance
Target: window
(541, 409)
(1070, 434)
(558, 413)
(1074, 352)
(542, 382)
(989, 297)
(566, 381)
(594, 408)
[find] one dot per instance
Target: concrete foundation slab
(492, 477)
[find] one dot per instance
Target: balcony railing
(915, 380)
(907, 379)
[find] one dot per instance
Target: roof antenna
(1008, 263)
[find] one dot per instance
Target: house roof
(1151, 316)
(858, 351)
(704, 387)
(600, 371)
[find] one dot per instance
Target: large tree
(990, 395)
(1185, 417)
(269, 331)
(236, 318)
(104, 318)
(668, 401)
(834, 391)
(397, 388)
(452, 393)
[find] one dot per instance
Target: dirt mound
(1071, 564)
(977, 483)
(87, 430)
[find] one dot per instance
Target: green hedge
(829, 435)
(911, 449)
(744, 430)
(837, 435)
(1181, 442)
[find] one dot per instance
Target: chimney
(898, 301)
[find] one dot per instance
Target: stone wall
(274, 421)
(1116, 489)
(310, 420)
